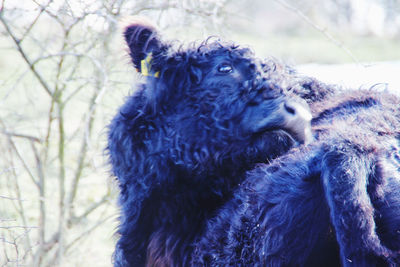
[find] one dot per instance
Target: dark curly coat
(333, 202)
(183, 142)
(182, 145)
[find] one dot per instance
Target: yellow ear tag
(145, 67)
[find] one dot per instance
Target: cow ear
(143, 41)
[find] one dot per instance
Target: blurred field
(314, 47)
(90, 70)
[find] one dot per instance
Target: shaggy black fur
(333, 202)
(181, 147)
(183, 142)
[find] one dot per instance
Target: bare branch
(12, 198)
(18, 226)
(54, 16)
(29, 137)
(22, 52)
(83, 151)
(20, 208)
(87, 232)
(93, 207)
(21, 158)
(318, 28)
(31, 25)
(42, 205)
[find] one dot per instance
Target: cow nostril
(289, 109)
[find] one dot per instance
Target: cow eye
(225, 68)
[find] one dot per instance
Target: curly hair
(180, 145)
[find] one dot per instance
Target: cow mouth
(300, 138)
(299, 135)
(291, 117)
(282, 133)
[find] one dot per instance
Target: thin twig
(92, 208)
(35, 20)
(20, 157)
(87, 232)
(318, 28)
(18, 226)
(29, 137)
(21, 209)
(12, 198)
(22, 52)
(42, 205)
